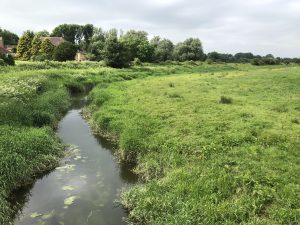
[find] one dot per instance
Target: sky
(227, 26)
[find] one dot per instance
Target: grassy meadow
(212, 148)
(213, 144)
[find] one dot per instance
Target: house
(54, 40)
(81, 56)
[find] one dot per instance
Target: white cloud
(259, 26)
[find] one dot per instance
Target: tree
(138, 45)
(190, 49)
(220, 57)
(96, 46)
(24, 45)
(65, 51)
(9, 37)
(47, 49)
(36, 45)
(43, 33)
(163, 49)
(87, 33)
(116, 53)
(243, 57)
(70, 32)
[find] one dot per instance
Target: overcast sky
(229, 26)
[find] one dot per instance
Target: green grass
(34, 97)
(212, 147)
(202, 161)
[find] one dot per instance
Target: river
(83, 190)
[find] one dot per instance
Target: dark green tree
(70, 32)
(96, 46)
(138, 45)
(163, 49)
(64, 52)
(24, 46)
(9, 37)
(190, 49)
(116, 53)
(36, 45)
(47, 49)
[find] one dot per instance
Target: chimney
(1, 43)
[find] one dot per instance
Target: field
(213, 144)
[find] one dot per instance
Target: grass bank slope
(213, 148)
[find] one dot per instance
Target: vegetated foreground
(218, 148)
(216, 144)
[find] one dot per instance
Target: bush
(7, 60)
(225, 100)
(65, 51)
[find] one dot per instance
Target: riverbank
(35, 96)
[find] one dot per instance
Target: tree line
(118, 49)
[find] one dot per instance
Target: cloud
(259, 26)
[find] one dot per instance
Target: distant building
(54, 40)
(81, 56)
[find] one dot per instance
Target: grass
(203, 162)
(34, 97)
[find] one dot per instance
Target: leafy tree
(138, 45)
(190, 49)
(47, 48)
(9, 37)
(24, 45)
(43, 33)
(96, 46)
(70, 32)
(116, 53)
(36, 45)
(87, 33)
(65, 51)
(220, 57)
(163, 49)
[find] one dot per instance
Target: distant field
(215, 144)
(212, 148)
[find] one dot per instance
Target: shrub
(7, 59)
(225, 100)
(65, 51)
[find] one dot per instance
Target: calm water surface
(84, 189)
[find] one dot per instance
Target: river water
(84, 189)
